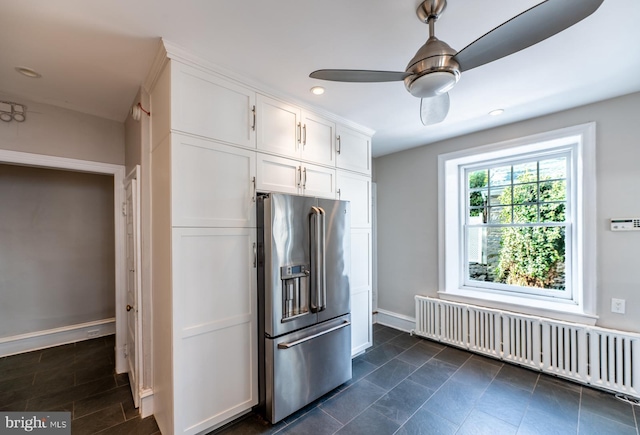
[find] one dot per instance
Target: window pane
(552, 169)
(477, 198)
(525, 172)
(530, 257)
(476, 216)
(500, 215)
(500, 176)
(525, 214)
(525, 193)
(554, 212)
(553, 191)
(483, 253)
(478, 179)
(500, 196)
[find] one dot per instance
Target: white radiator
(603, 358)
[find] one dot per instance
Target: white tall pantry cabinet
(212, 151)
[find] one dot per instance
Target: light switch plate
(617, 305)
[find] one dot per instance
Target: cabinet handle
(304, 185)
(339, 193)
(299, 132)
(339, 145)
(253, 180)
(253, 126)
(304, 135)
(255, 255)
(299, 175)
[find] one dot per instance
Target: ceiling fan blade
(524, 30)
(434, 109)
(356, 75)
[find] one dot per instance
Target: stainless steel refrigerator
(304, 300)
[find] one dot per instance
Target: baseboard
(395, 320)
(55, 337)
(146, 402)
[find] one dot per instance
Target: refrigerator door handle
(317, 255)
(312, 336)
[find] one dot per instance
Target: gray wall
(407, 209)
(56, 249)
(54, 131)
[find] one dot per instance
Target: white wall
(408, 213)
(54, 131)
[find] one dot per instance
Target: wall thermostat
(628, 224)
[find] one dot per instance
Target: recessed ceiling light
(496, 112)
(317, 90)
(28, 72)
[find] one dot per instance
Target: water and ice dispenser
(295, 291)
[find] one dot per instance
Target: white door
(357, 189)
(353, 150)
(212, 107)
(318, 181)
(318, 139)
(215, 320)
(277, 174)
(213, 184)
(278, 127)
(134, 316)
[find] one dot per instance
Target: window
(517, 222)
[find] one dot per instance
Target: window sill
(566, 311)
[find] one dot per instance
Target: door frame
(133, 178)
(118, 173)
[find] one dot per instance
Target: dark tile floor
(78, 378)
(407, 385)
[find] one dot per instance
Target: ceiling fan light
(433, 84)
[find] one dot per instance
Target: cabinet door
(360, 279)
(215, 326)
(357, 189)
(213, 184)
(277, 127)
(318, 181)
(277, 174)
(353, 150)
(318, 139)
(212, 107)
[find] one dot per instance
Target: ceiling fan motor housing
(433, 70)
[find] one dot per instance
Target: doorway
(117, 172)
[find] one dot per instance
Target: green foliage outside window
(532, 256)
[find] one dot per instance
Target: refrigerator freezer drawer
(304, 365)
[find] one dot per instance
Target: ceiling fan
(436, 67)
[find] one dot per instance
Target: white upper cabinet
(209, 106)
(318, 139)
(289, 131)
(353, 150)
(277, 127)
(278, 174)
(213, 184)
(318, 181)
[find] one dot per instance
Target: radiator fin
(591, 355)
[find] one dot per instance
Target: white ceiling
(93, 56)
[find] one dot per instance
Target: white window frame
(580, 142)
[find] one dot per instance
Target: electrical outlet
(617, 305)
(93, 333)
